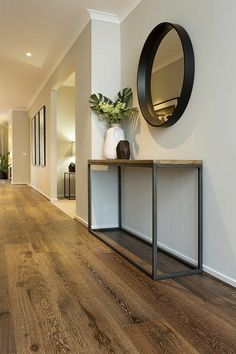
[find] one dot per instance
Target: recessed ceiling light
(28, 54)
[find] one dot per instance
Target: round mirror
(165, 75)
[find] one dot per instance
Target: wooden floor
(64, 291)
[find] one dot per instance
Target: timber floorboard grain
(64, 291)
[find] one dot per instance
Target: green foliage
(113, 112)
(4, 162)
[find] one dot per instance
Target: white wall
(95, 59)
(20, 128)
(83, 124)
(207, 128)
(65, 133)
(76, 60)
(105, 73)
(105, 78)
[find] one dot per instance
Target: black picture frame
(37, 141)
(38, 138)
(145, 70)
(42, 136)
(33, 143)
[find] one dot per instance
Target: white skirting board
(219, 275)
(82, 221)
(38, 190)
(105, 226)
(52, 200)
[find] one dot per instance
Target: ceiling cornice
(103, 16)
(114, 18)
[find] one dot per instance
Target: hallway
(63, 291)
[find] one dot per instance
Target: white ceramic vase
(113, 135)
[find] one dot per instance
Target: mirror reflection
(167, 76)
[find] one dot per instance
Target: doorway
(65, 142)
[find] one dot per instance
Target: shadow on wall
(132, 128)
(178, 133)
(168, 138)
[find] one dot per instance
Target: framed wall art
(33, 141)
(38, 138)
(42, 136)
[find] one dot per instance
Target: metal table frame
(154, 165)
(68, 196)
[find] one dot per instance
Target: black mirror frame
(145, 70)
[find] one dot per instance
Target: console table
(111, 235)
(67, 182)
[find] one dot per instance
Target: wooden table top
(148, 163)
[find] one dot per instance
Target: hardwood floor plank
(186, 313)
(64, 291)
(26, 326)
(78, 297)
(94, 326)
(7, 337)
(158, 337)
(36, 318)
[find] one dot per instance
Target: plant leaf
(125, 96)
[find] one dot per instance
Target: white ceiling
(46, 28)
